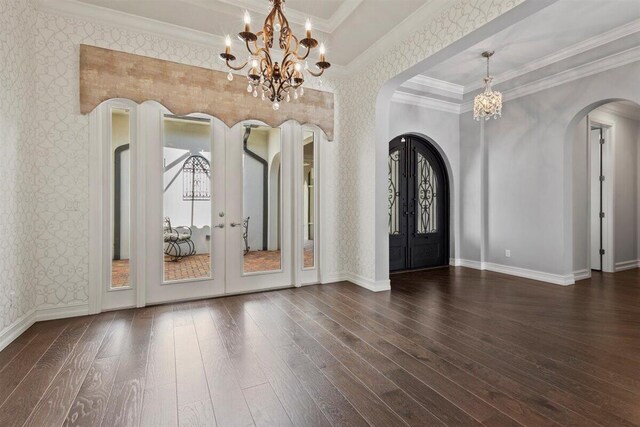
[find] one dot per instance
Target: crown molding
(598, 66)
(326, 25)
(432, 9)
(424, 83)
(623, 110)
(105, 16)
(576, 49)
(425, 102)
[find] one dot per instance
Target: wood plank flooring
(445, 347)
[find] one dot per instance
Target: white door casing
(146, 261)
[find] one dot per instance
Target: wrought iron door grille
(394, 193)
(427, 187)
(196, 180)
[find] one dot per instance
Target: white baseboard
(581, 275)
(470, 264)
(16, 329)
(334, 277)
(541, 276)
(25, 322)
(379, 286)
(627, 265)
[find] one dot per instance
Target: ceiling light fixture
(488, 103)
(273, 80)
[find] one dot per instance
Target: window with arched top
(196, 177)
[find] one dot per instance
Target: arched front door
(418, 205)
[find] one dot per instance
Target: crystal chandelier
(267, 78)
(488, 103)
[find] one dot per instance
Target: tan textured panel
(183, 89)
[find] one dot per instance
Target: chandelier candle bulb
(307, 27)
(227, 45)
(247, 21)
(322, 52)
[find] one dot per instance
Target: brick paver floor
(197, 266)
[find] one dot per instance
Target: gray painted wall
(530, 174)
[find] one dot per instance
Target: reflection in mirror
(261, 225)
(187, 198)
(308, 197)
(120, 198)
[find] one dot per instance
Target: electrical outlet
(507, 253)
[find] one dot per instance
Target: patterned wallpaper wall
(16, 162)
(56, 210)
(356, 123)
(62, 149)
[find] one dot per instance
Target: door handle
(236, 224)
(219, 226)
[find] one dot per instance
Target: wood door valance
(183, 89)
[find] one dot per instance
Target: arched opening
(418, 208)
(605, 189)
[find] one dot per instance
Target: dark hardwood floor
(444, 347)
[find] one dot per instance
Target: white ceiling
(556, 27)
(348, 27)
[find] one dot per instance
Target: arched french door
(418, 205)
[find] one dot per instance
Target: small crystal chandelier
(266, 77)
(488, 103)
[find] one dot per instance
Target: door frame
(431, 146)
(141, 140)
(100, 297)
(608, 152)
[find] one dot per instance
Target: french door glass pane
(309, 201)
(394, 192)
(120, 199)
(427, 188)
(261, 224)
(186, 198)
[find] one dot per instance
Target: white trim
(469, 264)
(576, 49)
(421, 82)
(541, 276)
(620, 109)
(585, 70)
(608, 157)
(20, 325)
(375, 286)
(326, 25)
(379, 286)
(334, 277)
(426, 102)
(63, 312)
(598, 66)
(103, 15)
(581, 275)
(17, 328)
(627, 265)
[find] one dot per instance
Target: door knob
(236, 224)
(219, 226)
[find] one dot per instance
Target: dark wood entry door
(418, 205)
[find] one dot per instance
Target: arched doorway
(604, 140)
(418, 205)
